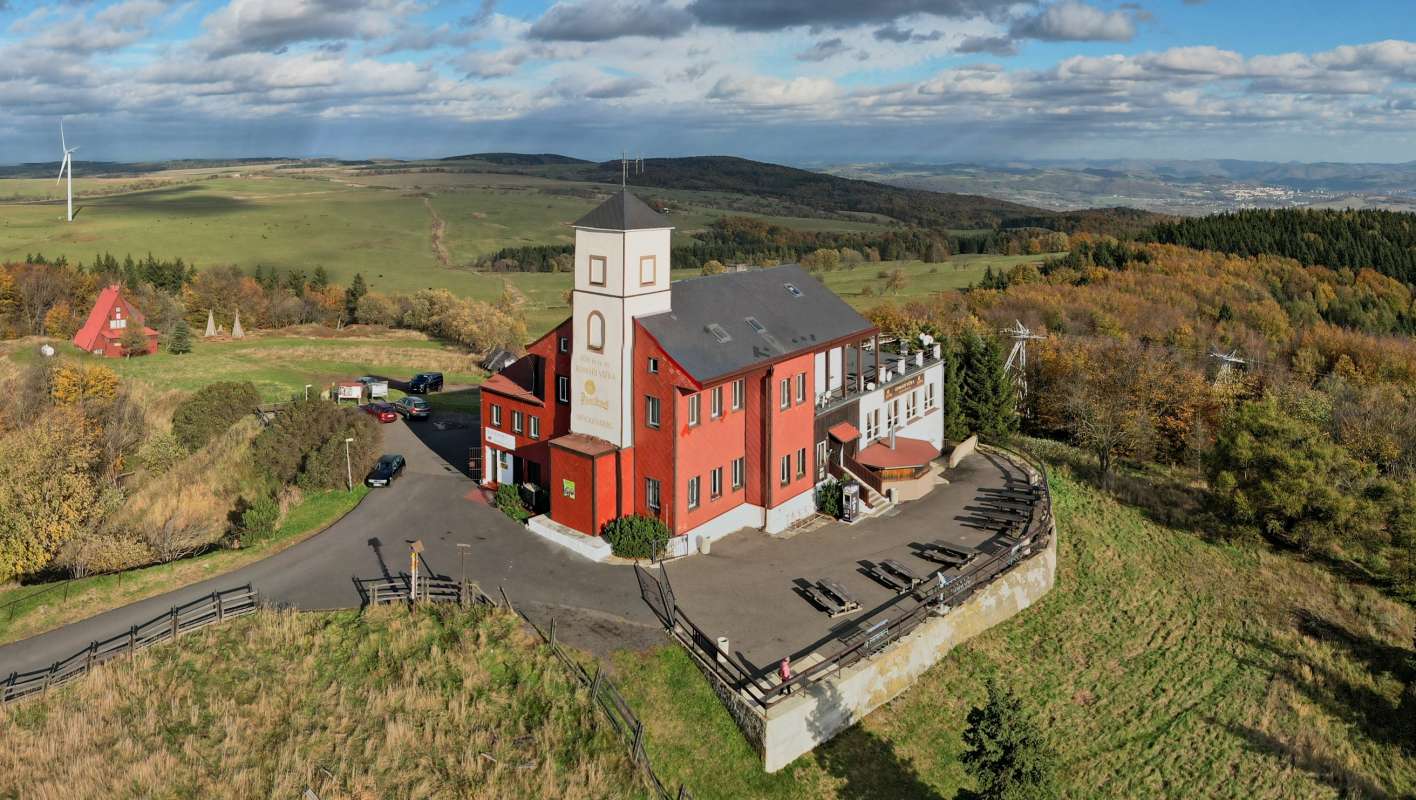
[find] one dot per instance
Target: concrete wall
(795, 726)
(783, 516)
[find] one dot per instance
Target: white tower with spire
(621, 272)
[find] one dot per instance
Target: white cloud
(256, 25)
(1073, 21)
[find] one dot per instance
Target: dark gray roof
(793, 310)
(623, 212)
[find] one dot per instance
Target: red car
(383, 412)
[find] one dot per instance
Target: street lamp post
(348, 465)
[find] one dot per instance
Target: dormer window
(718, 333)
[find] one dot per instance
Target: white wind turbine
(67, 167)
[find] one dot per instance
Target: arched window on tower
(595, 335)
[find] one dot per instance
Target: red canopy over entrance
(905, 453)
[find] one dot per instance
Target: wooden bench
(957, 555)
(887, 579)
(902, 572)
(831, 597)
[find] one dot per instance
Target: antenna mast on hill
(1227, 364)
(1017, 364)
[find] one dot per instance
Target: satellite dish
(46, 350)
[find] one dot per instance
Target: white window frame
(695, 409)
(822, 453)
(652, 497)
(892, 414)
(715, 403)
(496, 416)
(912, 405)
(801, 462)
(651, 411)
(565, 344)
(516, 421)
(533, 427)
(786, 471)
(653, 365)
(739, 472)
(801, 387)
(739, 393)
(695, 492)
(929, 399)
(715, 482)
(786, 394)
(563, 388)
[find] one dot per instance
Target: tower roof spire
(623, 212)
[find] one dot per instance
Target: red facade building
(694, 401)
(111, 317)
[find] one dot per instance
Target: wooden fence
(209, 610)
(607, 699)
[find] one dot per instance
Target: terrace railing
(760, 687)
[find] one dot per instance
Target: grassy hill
(1162, 665)
(442, 703)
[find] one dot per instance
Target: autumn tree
(133, 341)
(48, 490)
(713, 267)
(895, 281)
(1277, 472)
(1105, 407)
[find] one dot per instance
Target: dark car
(388, 468)
(425, 382)
(383, 412)
(413, 407)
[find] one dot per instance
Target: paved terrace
(746, 589)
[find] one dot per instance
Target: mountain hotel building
(715, 403)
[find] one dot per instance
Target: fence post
(553, 631)
(174, 623)
(88, 662)
(132, 640)
(375, 595)
(505, 599)
(220, 611)
(683, 792)
(638, 752)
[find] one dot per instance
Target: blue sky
(798, 81)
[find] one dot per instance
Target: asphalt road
(597, 606)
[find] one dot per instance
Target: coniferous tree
(989, 399)
(320, 279)
(181, 341)
(956, 426)
(1006, 754)
(357, 289)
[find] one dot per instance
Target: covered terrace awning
(906, 453)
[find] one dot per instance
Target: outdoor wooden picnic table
(838, 591)
(901, 570)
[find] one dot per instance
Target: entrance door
(504, 471)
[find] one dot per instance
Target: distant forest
(737, 240)
(1381, 240)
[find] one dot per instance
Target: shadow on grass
(1325, 769)
(868, 766)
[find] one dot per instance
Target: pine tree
(956, 427)
(989, 400)
(181, 339)
(321, 278)
(357, 289)
(1006, 754)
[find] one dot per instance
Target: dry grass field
(440, 703)
(1162, 665)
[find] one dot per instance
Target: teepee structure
(236, 332)
(211, 324)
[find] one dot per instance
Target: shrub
(508, 499)
(636, 536)
(259, 519)
(161, 452)
(305, 444)
(829, 498)
(212, 410)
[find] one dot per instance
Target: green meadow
(1163, 664)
